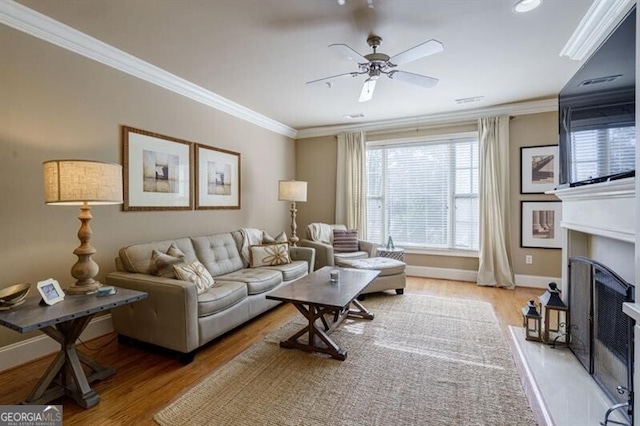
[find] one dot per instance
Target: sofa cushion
(137, 257)
(196, 273)
(162, 264)
(257, 280)
(345, 241)
(291, 271)
(218, 253)
(221, 296)
(269, 255)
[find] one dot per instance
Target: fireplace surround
(599, 223)
(601, 335)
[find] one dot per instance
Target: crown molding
(599, 21)
(520, 108)
(45, 28)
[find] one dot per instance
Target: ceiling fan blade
(333, 77)
(348, 52)
(409, 77)
(417, 52)
(367, 90)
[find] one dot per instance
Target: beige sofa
(175, 316)
(319, 236)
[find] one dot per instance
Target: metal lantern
(532, 322)
(555, 314)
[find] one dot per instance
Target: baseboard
(534, 281)
(442, 273)
(40, 346)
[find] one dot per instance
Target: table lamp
(294, 191)
(82, 182)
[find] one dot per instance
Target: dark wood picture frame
(157, 171)
(218, 178)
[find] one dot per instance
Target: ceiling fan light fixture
(523, 6)
(367, 90)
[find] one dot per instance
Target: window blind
(424, 194)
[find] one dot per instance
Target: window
(424, 193)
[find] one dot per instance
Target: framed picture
(50, 291)
(538, 168)
(217, 178)
(540, 222)
(157, 171)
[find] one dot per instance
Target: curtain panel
(495, 266)
(351, 189)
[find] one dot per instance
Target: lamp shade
(292, 190)
(80, 181)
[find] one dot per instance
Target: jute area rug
(422, 361)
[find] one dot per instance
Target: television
(597, 138)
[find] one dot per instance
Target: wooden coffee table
(325, 305)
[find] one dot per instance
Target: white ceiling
(260, 53)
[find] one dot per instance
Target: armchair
(320, 237)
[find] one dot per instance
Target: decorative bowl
(14, 295)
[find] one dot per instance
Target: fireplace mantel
(606, 209)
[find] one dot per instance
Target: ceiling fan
(376, 64)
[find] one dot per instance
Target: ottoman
(392, 275)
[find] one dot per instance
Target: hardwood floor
(145, 382)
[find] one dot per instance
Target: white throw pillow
(269, 255)
(196, 273)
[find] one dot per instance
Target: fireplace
(601, 335)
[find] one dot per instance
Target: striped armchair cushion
(345, 241)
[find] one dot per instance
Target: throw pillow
(345, 241)
(174, 251)
(162, 264)
(196, 273)
(268, 239)
(269, 255)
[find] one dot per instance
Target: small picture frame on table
(50, 291)
(538, 169)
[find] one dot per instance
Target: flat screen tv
(597, 113)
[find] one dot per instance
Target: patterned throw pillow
(269, 255)
(162, 263)
(196, 273)
(345, 241)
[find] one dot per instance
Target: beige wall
(316, 163)
(531, 130)
(55, 104)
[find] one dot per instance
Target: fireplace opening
(600, 334)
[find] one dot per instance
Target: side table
(394, 253)
(64, 322)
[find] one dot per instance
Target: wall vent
(599, 80)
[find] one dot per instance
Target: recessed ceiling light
(353, 116)
(523, 6)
